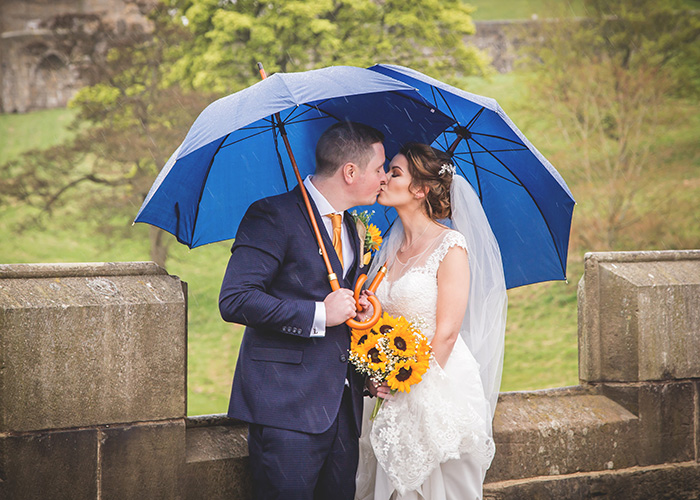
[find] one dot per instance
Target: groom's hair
(345, 142)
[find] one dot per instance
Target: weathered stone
(696, 398)
(217, 459)
(56, 465)
(666, 422)
(661, 482)
(143, 461)
(560, 431)
(639, 317)
(51, 48)
(85, 345)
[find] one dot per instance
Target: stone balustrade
(93, 398)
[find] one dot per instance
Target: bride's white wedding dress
(431, 443)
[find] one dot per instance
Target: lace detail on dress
(451, 238)
(417, 431)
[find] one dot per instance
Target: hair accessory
(447, 167)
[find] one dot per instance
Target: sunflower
(373, 237)
(376, 358)
(385, 324)
(359, 337)
(423, 351)
(402, 340)
(404, 375)
(362, 342)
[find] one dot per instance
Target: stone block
(639, 316)
(143, 461)
(662, 482)
(90, 344)
(561, 431)
(57, 465)
(666, 422)
(667, 413)
(217, 459)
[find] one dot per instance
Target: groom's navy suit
(286, 379)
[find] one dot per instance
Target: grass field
(541, 337)
(490, 10)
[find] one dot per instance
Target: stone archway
(50, 86)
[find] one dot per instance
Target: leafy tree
(126, 127)
(605, 80)
(296, 35)
(152, 89)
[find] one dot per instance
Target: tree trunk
(159, 245)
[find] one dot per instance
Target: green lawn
(41, 128)
(541, 336)
(490, 10)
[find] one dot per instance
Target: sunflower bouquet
(394, 351)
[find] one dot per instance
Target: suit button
(343, 358)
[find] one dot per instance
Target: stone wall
(51, 48)
(92, 381)
(93, 369)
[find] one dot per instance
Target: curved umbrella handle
(365, 325)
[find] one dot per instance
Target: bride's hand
(367, 308)
(379, 390)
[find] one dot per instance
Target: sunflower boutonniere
(370, 235)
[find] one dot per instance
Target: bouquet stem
(378, 404)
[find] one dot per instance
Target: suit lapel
(355, 240)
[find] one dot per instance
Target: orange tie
(337, 220)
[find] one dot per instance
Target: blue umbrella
(234, 153)
(528, 204)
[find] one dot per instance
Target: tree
(295, 35)
(126, 127)
(605, 79)
(151, 90)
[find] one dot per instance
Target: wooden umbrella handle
(377, 313)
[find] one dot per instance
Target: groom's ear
(350, 172)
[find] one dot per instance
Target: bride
(445, 275)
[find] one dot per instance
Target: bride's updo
(432, 169)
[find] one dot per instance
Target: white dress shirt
(325, 208)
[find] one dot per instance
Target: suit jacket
(284, 378)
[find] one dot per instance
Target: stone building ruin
(51, 48)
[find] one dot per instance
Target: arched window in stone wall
(51, 85)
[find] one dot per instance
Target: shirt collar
(322, 204)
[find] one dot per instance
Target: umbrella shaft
(332, 278)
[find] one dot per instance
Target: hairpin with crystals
(447, 168)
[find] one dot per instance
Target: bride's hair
(430, 168)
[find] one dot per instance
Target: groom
(293, 383)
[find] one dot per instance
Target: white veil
(484, 323)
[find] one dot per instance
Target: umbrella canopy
(233, 154)
(528, 204)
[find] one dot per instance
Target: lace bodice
(414, 293)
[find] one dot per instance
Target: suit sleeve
(257, 256)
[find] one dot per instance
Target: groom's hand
(340, 306)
